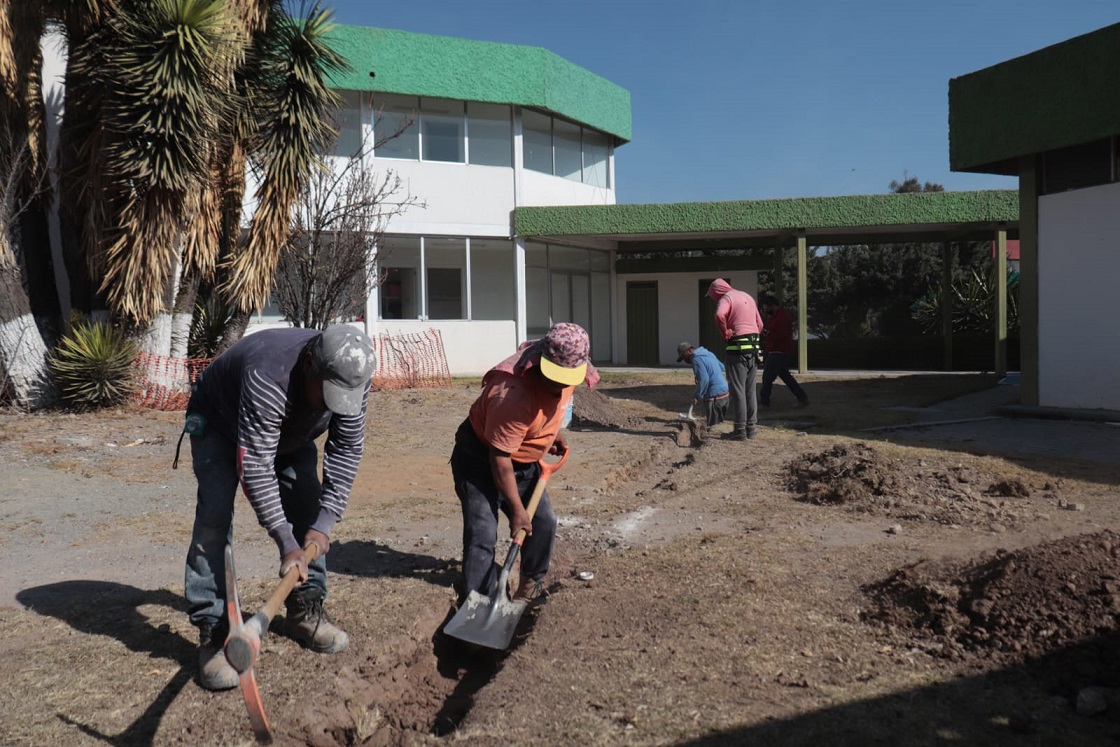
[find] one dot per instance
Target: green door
(709, 330)
(641, 324)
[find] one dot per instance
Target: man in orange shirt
(511, 426)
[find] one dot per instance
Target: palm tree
(290, 100)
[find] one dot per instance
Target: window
(489, 134)
(595, 159)
(537, 141)
(398, 259)
(562, 148)
(441, 129)
(348, 122)
(493, 282)
(390, 114)
(446, 261)
(566, 141)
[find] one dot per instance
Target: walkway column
(947, 305)
(802, 303)
(1001, 302)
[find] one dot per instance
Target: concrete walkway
(992, 421)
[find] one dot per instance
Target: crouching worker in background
(253, 418)
(511, 426)
(711, 387)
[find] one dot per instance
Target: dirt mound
(861, 478)
(593, 409)
(1057, 596)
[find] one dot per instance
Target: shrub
(208, 327)
(93, 366)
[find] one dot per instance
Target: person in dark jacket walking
(711, 387)
(777, 347)
(253, 418)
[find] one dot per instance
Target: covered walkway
(701, 236)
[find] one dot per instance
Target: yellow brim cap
(565, 376)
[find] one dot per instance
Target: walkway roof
(1057, 97)
(825, 221)
(404, 62)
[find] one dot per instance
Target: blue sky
(752, 99)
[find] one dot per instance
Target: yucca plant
(208, 327)
(93, 366)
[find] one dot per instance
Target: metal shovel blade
(487, 621)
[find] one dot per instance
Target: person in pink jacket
(741, 326)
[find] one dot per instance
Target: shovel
(244, 641)
(491, 621)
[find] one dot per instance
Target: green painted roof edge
(447, 67)
(1063, 95)
(770, 215)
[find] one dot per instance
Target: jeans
(777, 367)
(215, 469)
(481, 499)
(742, 372)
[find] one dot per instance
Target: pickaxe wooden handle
(244, 641)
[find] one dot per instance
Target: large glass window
(489, 134)
(493, 280)
(446, 261)
(537, 319)
(566, 141)
(596, 150)
(398, 260)
(348, 121)
(441, 129)
(537, 141)
(395, 132)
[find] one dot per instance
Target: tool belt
(744, 344)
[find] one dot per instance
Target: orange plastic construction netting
(409, 361)
(165, 382)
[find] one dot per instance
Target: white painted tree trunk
(23, 354)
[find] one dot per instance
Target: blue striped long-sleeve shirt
(253, 395)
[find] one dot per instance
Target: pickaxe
(244, 641)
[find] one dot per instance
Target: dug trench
(795, 589)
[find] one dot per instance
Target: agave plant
(93, 366)
(208, 327)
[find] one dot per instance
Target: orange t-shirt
(519, 415)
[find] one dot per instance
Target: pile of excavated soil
(860, 478)
(1054, 604)
(593, 409)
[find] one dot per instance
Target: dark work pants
(481, 499)
(777, 367)
(215, 467)
(742, 372)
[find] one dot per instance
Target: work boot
(307, 623)
(735, 436)
(530, 590)
(802, 403)
(214, 672)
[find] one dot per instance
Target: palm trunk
(23, 354)
(235, 330)
(183, 313)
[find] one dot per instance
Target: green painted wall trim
(692, 264)
(769, 215)
(1056, 97)
(447, 67)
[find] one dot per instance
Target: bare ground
(817, 585)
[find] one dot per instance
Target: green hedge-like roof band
(1063, 95)
(414, 64)
(770, 215)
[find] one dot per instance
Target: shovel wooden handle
(547, 468)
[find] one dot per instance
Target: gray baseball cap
(344, 357)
